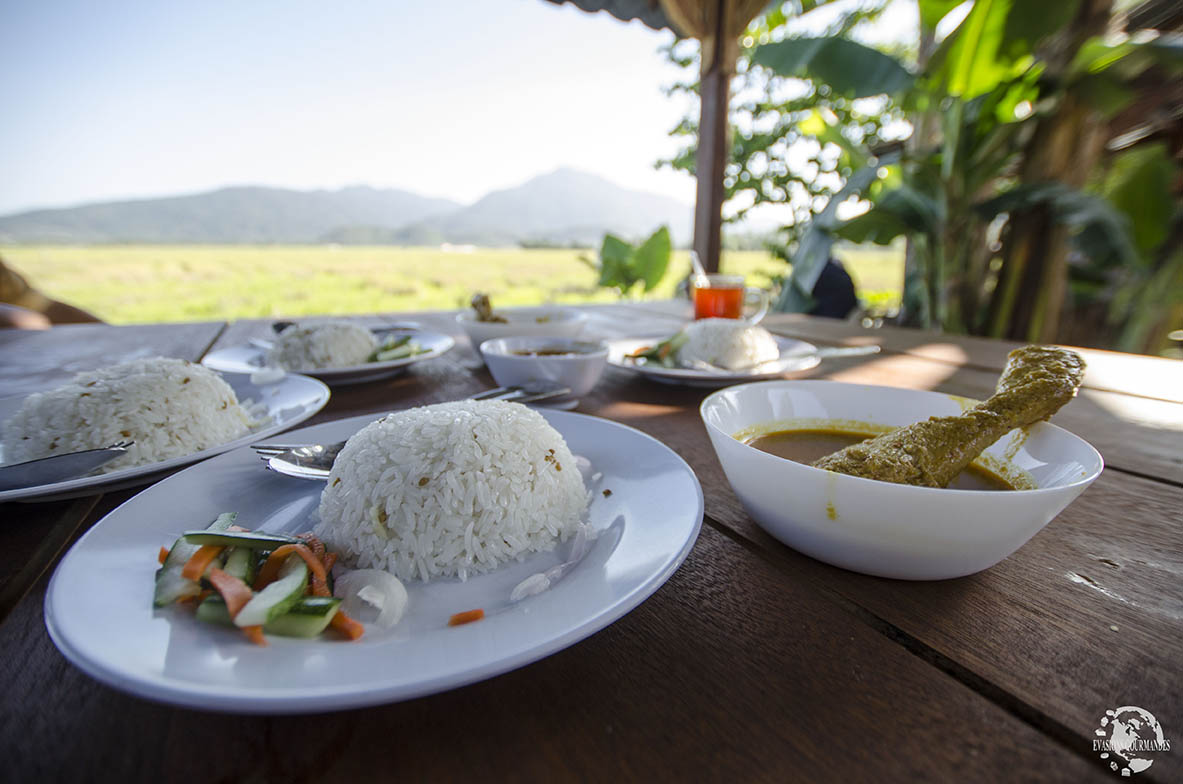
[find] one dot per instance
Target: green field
(127, 284)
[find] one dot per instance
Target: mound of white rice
(452, 489)
(169, 407)
(324, 344)
(728, 343)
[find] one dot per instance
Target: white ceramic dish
(548, 321)
(289, 402)
(618, 350)
(251, 358)
(98, 607)
(879, 528)
(579, 370)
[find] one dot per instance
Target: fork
(313, 461)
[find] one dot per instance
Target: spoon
(313, 461)
(58, 468)
(700, 271)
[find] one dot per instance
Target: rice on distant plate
(169, 407)
(728, 343)
(324, 344)
(452, 489)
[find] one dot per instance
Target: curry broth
(805, 445)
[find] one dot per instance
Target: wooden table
(752, 663)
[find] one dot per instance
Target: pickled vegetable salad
(255, 580)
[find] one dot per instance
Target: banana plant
(969, 200)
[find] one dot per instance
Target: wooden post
(711, 158)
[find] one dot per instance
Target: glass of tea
(725, 296)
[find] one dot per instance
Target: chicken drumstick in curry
(1035, 383)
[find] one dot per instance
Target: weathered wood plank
(33, 360)
(31, 537)
(1038, 625)
(732, 671)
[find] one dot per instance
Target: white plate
(618, 349)
(98, 608)
(250, 358)
(289, 402)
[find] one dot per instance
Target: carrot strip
(235, 592)
(468, 616)
(196, 566)
(255, 635)
(346, 625)
(317, 586)
(330, 562)
(270, 569)
(162, 556)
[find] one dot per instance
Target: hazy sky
(127, 98)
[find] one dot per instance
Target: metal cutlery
(58, 468)
(313, 461)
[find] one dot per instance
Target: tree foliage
(991, 192)
(828, 130)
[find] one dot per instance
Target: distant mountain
(230, 215)
(564, 207)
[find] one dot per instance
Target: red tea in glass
(718, 296)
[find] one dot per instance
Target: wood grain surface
(35, 360)
(754, 662)
(728, 673)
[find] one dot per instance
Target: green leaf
(846, 66)
(652, 258)
(1139, 185)
(975, 58)
(933, 11)
(878, 226)
(1129, 58)
(1101, 231)
(615, 260)
(1105, 91)
(1028, 23)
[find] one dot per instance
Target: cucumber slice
(170, 585)
(401, 352)
(256, 540)
(308, 617)
(240, 563)
(213, 610)
(277, 598)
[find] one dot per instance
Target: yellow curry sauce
(809, 440)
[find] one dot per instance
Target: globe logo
(1128, 738)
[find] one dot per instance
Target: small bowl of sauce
(577, 364)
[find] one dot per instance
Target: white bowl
(543, 321)
(880, 528)
(579, 370)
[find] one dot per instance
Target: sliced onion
(372, 596)
(542, 581)
(532, 585)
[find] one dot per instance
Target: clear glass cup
(726, 296)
